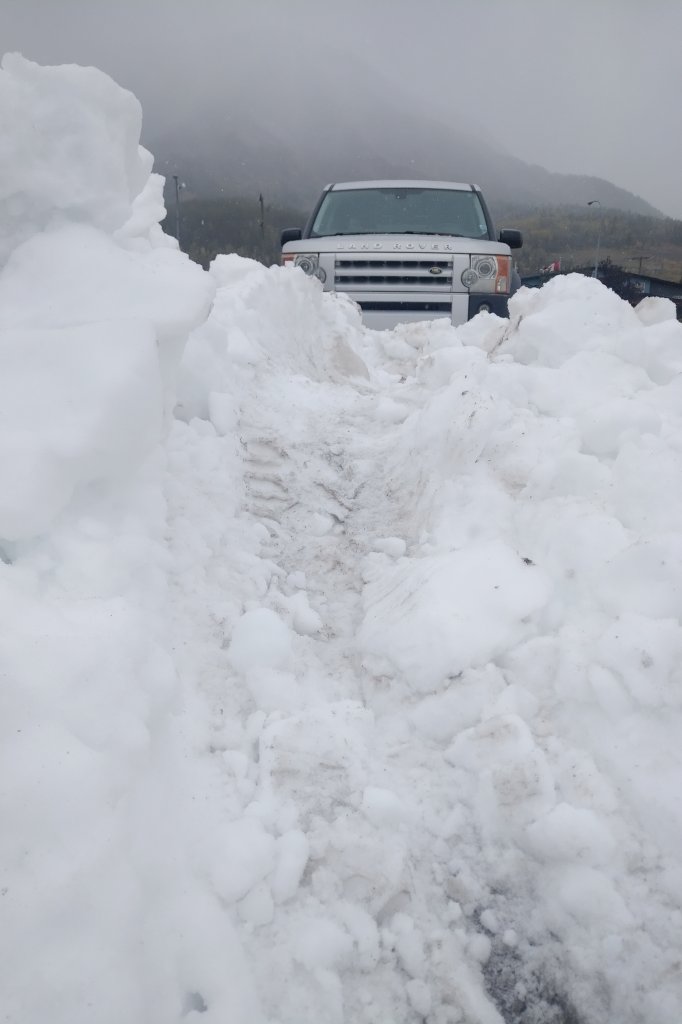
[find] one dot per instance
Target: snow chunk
(292, 856)
(591, 897)
(409, 945)
(240, 856)
(260, 639)
(441, 716)
(321, 753)
(321, 943)
(420, 997)
(69, 150)
(305, 619)
(394, 547)
(645, 579)
(435, 616)
(384, 808)
(571, 314)
(257, 908)
(571, 833)
(514, 778)
(655, 310)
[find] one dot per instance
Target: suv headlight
(309, 263)
(488, 274)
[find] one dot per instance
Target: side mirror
(511, 237)
(291, 235)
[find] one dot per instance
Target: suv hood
(432, 244)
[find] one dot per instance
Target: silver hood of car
(389, 243)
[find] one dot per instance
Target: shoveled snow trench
(358, 901)
(422, 820)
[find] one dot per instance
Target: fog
(575, 86)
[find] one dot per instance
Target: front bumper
(497, 304)
(381, 311)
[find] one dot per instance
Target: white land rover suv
(407, 250)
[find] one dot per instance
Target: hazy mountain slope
(287, 143)
(239, 158)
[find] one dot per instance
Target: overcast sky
(580, 86)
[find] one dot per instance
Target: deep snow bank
(95, 304)
(546, 553)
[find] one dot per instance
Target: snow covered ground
(341, 670)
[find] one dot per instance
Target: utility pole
(595, 202)
(177, 208)
(261, 222)
(641, 260)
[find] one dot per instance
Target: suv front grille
(396, 306)
(387, 273)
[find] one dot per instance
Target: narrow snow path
(397, 815)
(355, 910)
(342, 910)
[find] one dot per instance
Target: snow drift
(351, 691)
(95, 305)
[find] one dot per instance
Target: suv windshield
(424, 211)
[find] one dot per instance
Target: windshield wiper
(440, 234)
(336, 234)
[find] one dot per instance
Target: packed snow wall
(95, 306)
(95, 300)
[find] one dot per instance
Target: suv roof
(390, 183)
